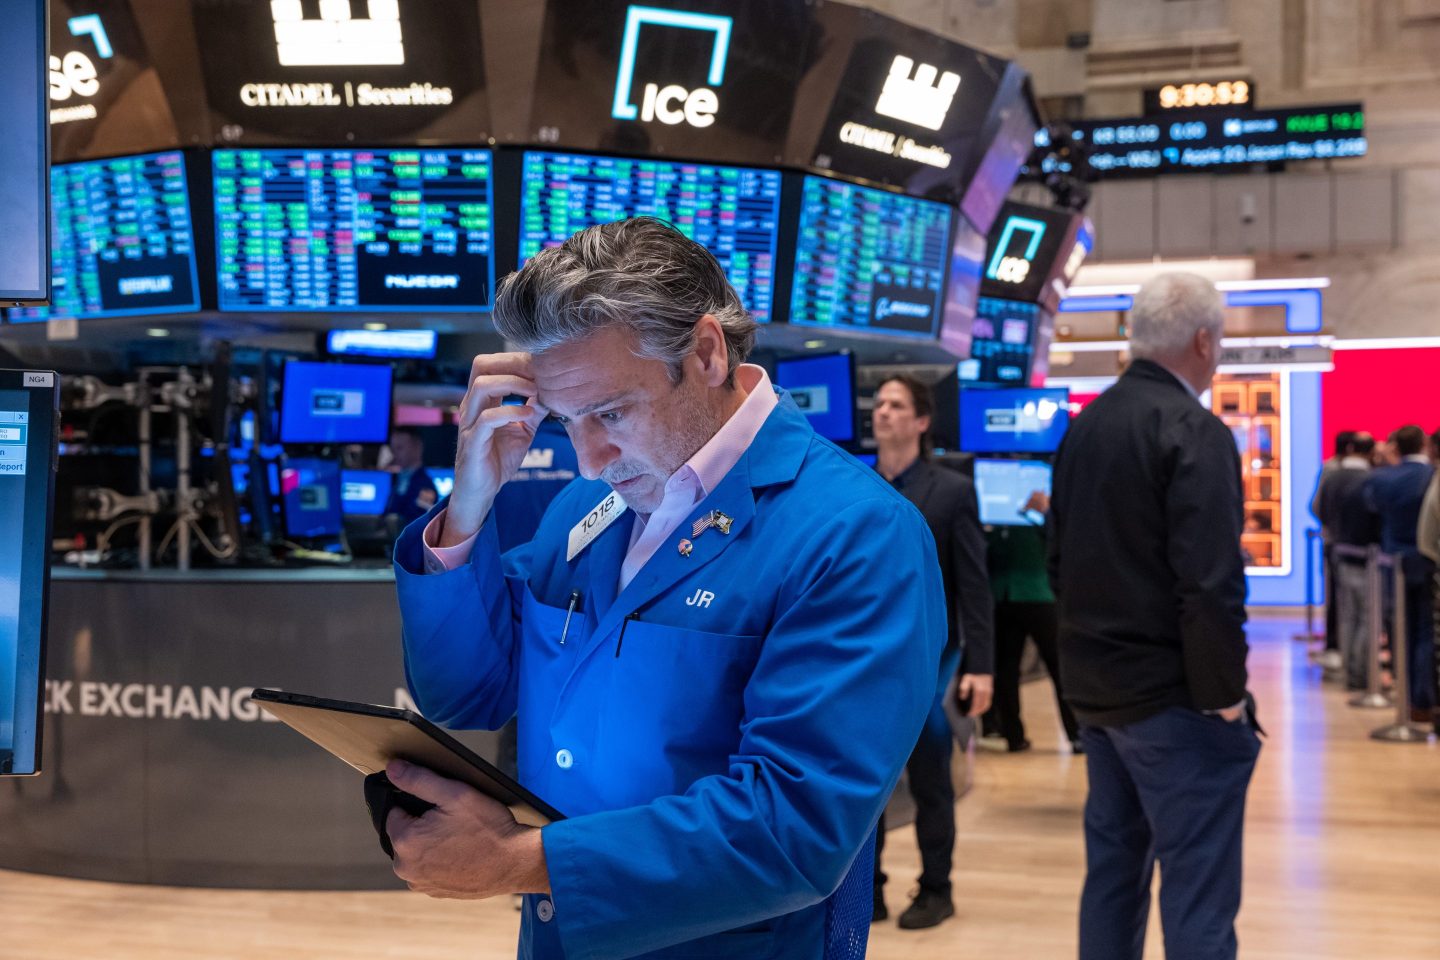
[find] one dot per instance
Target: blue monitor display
(1028, 420)
(365, 492)
(1004, 488)
(28, 416)
(443, 478)
(387, 230)
(395, 344)
(868, 259)
(335, 403)
(122, 240)
(24, 153)
(823, 387)
(311, 494)
(1003, 342)
(734, 212)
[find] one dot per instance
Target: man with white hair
(1145, 557)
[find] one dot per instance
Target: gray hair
(1169, 310)
(640, 273)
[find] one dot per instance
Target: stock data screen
(390, 230)
(869, 259)
(734, 212)
(122, 241)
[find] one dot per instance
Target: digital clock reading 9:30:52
(1226, 93)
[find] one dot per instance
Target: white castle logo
(921, 101)
(337, 39)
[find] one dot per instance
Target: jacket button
(544, 911)
(564, 759)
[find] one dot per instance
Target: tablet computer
(368, 737)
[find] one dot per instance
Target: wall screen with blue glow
(869, 259)
(391, 230)
(122, 240)
(734, 212)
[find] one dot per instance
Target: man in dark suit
(413, 493)
(1145, 556)
(903, 406)
(1394, 494)
(1348, 523)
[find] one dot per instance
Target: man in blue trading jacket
(413, 493)
(711, 642)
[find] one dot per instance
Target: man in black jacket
(903, 406)
(1145, 557)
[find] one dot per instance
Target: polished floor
(1342, 861)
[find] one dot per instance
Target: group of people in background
(1387, 496)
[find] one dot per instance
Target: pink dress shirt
(685, 488)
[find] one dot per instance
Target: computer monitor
(122, 240)
(29, 412)
(734, 212)
(443, 478)
(310, 491)
(869, 259)
(387, 344)
(1002, 344)
(1005, 420)
(400, 229)
(364, 493)
(335, 403)
(1004, 487)
(823, 387)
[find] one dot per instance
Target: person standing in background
(413, 493)
(1145, 525)
(1349, 524)
(1332, 658)
(903, 407)
(1394, 494)
(1024, 607)
(1427, 536)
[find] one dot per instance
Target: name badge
(596, 522)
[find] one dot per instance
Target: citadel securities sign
(308, 70)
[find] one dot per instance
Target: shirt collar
(1354, 463)
(715, 459)
(1189, 388)
(1417, 458)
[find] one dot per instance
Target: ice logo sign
(1007, 267)
(671, 103)
(338, 38)
(921, 100)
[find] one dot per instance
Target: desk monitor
(1006, 420)
(444, 480)
(29, 412)
(869, 259)
(311, 492)
(365, 492)
(386, 344)
(335, 403)
(823, 387)
(1004, 487)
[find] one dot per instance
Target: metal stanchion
(1373, 697)
(1310, 636)
(1402, 730)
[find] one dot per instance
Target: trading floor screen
(387, 230)
(122, 241)
(869, 259)
(734, 212)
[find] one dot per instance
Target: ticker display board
(308, 71)
(734, 212)
(1216, 139)
(869, 259)
(122, 240)
(387, 230)
(706, 78)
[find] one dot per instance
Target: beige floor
(1343, 861)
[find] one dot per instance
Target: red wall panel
(1380, 390)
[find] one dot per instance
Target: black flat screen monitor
(29, 411)
(392, 344)
(122, 240)
(823, 387)
(870, 260)
(364, 493)
(24, 151)
(312, 494)
(335, 402)
(734, 212)
(382, 230)
(1004, 488)
(1003, 342)
(1005, 420)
